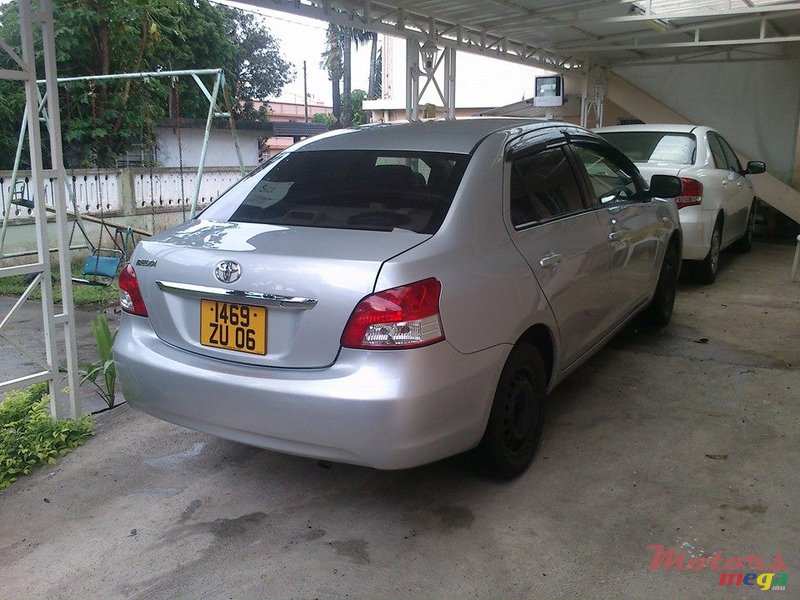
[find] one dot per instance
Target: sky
(481, 81)
(302, 39)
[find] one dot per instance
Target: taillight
(402, 317)
(130, 296)
(691, 193)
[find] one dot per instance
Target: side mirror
(665, 186)
(754, 167)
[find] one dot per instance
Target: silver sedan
(396, 294)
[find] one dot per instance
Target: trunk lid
(649, 169)
(279, 266)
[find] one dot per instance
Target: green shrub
(29, 436)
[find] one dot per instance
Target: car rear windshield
(655, 146)
(347, 189)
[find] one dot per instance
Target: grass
(82, 294)
(29, 437)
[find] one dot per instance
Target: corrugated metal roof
(561, 35)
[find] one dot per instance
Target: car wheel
(659, 312)
(745, 243)
(710, 265)
(515, 422)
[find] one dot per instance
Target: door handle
(738, 184)
(615, 236)
(551, 260)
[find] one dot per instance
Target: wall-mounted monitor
(549, 91)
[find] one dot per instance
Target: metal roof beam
(693, 44)
(416, 25)
(649, 33)
(683, 15)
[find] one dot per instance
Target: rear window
(347, 189)
(655, 146)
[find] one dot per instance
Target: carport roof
(564, 35)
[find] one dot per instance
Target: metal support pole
(229, 107)
(17, 158)
(796, 263)
(585, 95)
(66, 318)
(40, 212)
(204, 150)
(450, 83)
(412, 80)
(305, 91)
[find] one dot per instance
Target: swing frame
(213, 111)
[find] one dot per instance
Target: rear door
(742, 194)
(730, 185)
(629, 223)
(563, 242)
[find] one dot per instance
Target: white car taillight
(130, 296)
(401, 317)
(691, 193)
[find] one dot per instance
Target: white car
(716, 205)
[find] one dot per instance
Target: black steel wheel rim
(520, 412)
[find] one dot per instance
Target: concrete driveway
(688, 438)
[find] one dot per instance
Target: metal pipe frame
(60, 405)
(213, 111)
(446, 63)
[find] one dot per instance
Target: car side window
(730, 156)
(717, 152)
(543, 186)
(610, 184)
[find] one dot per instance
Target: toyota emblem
(228, 271)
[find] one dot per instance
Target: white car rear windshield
(655, 146)
(347, 189)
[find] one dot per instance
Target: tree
(336, 60)
(332, 63)
(324, 119)
(97, 37)
(373, 88)
(360, 116)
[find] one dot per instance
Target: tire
(515, 422)
(709, 266)
(659, 312)
(745, 243)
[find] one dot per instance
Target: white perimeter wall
(221, 150)
(754, 105)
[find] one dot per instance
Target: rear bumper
(697, 225)
(383, 409)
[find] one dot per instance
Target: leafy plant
(104, 366)
(29, 436)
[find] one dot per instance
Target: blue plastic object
(103, 266)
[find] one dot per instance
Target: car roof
(669, 127)
(458, 136)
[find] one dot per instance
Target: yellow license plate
(238, 327)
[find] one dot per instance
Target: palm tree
(357, 37)
(372, 89)
(332, 63)
(337, 59)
